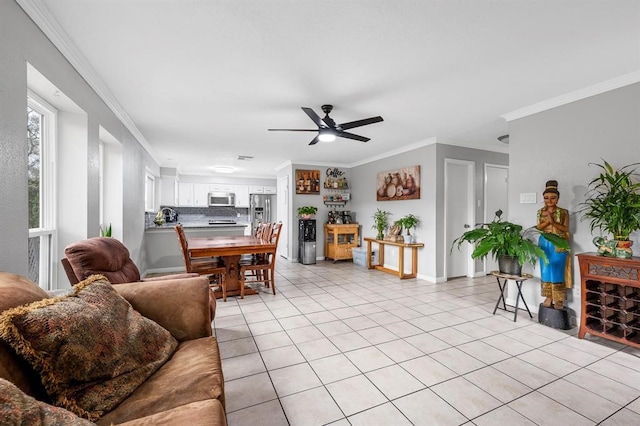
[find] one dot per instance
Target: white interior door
(282, 213)
(458, 215)
(496, 182)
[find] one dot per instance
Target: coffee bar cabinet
(339, 239)
(610, 298)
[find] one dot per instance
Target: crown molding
(587, 92)
(397, 151)
(283, 165)
(42, 17)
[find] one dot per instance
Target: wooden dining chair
(262, 268)
(262, 232)
(212, 267)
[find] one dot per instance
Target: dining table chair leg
(241, 284)
(223, 285)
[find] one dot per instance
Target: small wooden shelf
(339, 240)
(610, 298)
(336, 203)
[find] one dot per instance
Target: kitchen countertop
(198, 225)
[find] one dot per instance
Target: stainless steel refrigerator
(262, 208)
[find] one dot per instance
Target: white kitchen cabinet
(221, 187)
(242, 195)
(254, 189)
(168, 191)
(200, 194)
(185, 194)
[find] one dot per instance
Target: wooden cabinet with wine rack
(610, 298)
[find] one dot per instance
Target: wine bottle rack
(610, 298)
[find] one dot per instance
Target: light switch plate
(528, 198)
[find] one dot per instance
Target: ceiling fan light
(223, 169)
(326, 137)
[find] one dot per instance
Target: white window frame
(101, 182)
(149, 191)
(47, 232)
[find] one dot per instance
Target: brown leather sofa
(109, 257)
(187, 389)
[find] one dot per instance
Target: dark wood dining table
(230, 249)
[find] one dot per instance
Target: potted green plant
(408, 222)
(380, 222)
(508, 243)
(307, 212)
(106, 231)
(612, 202)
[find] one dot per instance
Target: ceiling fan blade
(314, 117)
(358, 123)
(352, 136)
(315, 140)
(292, 130)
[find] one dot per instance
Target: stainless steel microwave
(222, 199)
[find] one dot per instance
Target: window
(41, 131)
(149, 192)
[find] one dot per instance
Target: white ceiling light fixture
(504, 139)
(223, 169)
(326, 136)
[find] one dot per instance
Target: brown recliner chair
(109, 257)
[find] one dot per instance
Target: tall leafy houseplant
(612, 202)
(501, 238)
(380, 221)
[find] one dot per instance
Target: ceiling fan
(328, 130)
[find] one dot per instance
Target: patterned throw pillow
(18, 408)
(90, 346)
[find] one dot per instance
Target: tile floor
(342, 345)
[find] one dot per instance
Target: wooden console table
(400, 272)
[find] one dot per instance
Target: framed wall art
(399, 184)
(307, 181)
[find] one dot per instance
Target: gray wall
(559, 144)
(316, 200)
(430, 207)
(21, 41)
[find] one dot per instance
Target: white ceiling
(202, 80)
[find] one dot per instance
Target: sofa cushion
(16, 290)
(201, 413)
(90, 346)
(194, 373)
(17, 408)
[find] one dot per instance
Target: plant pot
(613, 248)
(407, 239)
(624, 250)
(509, 265)
(306, 216)
(380, 236)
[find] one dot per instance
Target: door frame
(488, 216)
(471, 179)
(283, 215)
